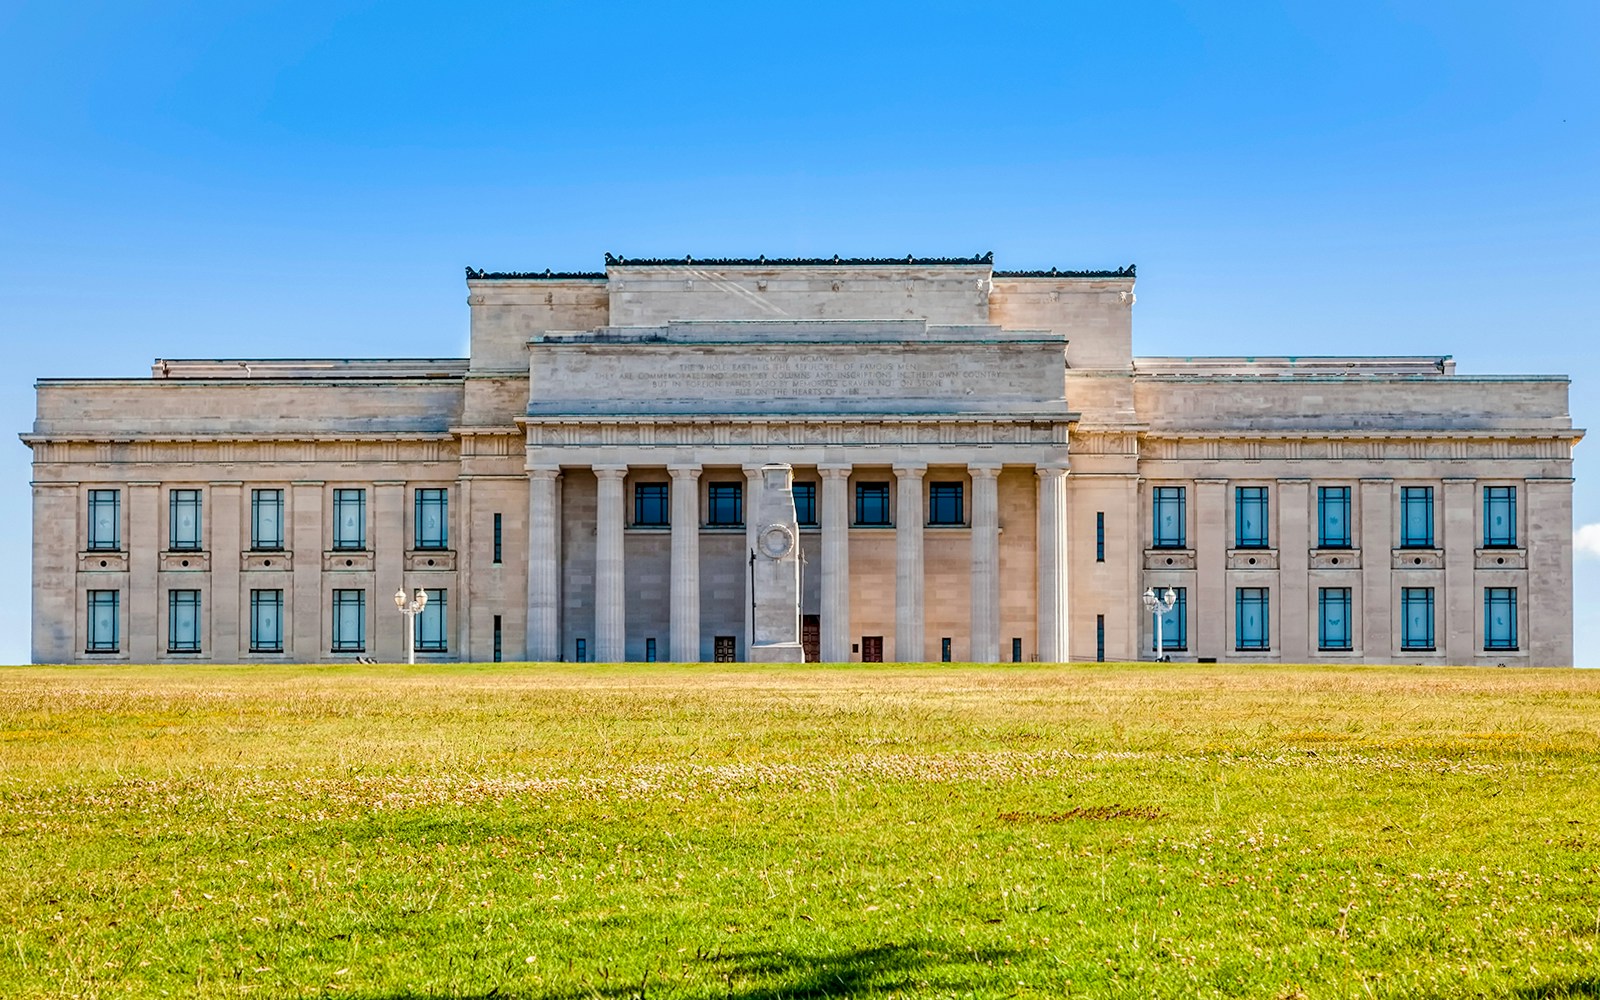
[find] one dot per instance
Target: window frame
(186, 599)
(1260, 598)
(940, 497)
(720, 493)
(1425, 597)
(652, 505)
(499, 537)
(1345, 599)
(1503, 597)
(425, 500)
(1422, 496)
(1246, 500)
(258, 496)
(1174, 624)
(431, 626)
(805, 510)
(355, 497)
(342, 601)
(1340, 496)
(878, 490)
(1100, 536)
(1496, 496)
(1162, 497)
(109, 601)
(99, 498)
(259, 603)
(177, 501)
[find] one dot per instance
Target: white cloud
(1586, 541)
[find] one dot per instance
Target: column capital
(835, 470)
(544, 472)
(751, 471)
(684, 471)
(609, 471)
(1051, 471)
(911, 470)
(983, 470)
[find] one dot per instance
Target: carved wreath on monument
(775, 541)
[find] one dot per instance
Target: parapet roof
(976, 260)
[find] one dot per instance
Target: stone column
(984, 631)
(1052, 622)
(1211, 603)
(1458, 609)
(461, 583)
(610, 586)
(544, 565)
(145, 625)
(685, 563)
(908, 564)
(835, 516)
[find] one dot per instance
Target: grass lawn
(723, 831)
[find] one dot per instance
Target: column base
(778, 652)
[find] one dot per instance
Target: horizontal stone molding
(102, 562)
(1500, 559)
(1252, 558)
(1169, 558)
(353, 561)
(1336, 445)
(430, 560)
(185, 562)
(656, 431)
(1335, 558)
(244, 450)
(1417, 558)
(263, 560)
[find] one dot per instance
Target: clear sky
(308, 179)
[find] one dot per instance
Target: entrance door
(872, 649)
(722, 649)
(811, 637)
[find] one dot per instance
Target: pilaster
(685, 586)
(835, 516)
(1211, 604)
(610, 581)
(985, 623)
(1053, 565)
(908, 565)
(1457, 625)
(544, 591)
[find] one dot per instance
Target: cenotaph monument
(775, 571)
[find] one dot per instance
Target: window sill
(272, 561)
(1417, 558)
(430, 560)
(1252, 558)
(185, 560)
(1501, 559)
(353, 560)
(1335, 558)
(102, 562)
(1169, 558)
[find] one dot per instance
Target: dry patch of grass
(677, 831)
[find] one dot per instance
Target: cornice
(985, 259)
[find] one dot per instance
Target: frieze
(478, 274)
(1399, 446)
(737, 432)
(1121, 272)
(613, 260)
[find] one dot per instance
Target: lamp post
(1159, 606)
(411, 610)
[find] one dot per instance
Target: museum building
(981, 470)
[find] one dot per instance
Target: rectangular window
(266, 621)
(1251, 629)
(944, 504)
(1099, 638)
(1500, 618)
(349, 519)
(1416, 618)
(1333, 517)
(581, 651)
(725, 505)
(497, 634)
(266, 520)
(1174, 624)
(104, 622)
(944, 650)
(872, 504)
(1016, 649)
(1250, 517)
(1100, 537)
(1416, 517)
(498, 538)
(349, 621)
(650, 505)
(1333, 607)
(105, 521)
(183, 520)
(650, 651)
(432, 624)
(1499, 517)
(183, 621)
(432, 518)
(1168, 503)
(805, 504)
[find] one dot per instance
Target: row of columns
(610, 601)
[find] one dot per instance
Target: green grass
(720, 831)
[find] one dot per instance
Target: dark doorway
(723, 649)
(811, 637)
(872, 649)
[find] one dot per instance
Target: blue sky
(300, 179)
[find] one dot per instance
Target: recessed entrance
(872, 649)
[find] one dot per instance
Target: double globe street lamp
(411, 609)
(1157, 606)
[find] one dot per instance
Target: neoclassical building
(983, 470)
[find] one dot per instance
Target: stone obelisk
(775, 571)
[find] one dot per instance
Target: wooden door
(723, 649)
(872, 649)
(811, 637)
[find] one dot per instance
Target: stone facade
(983, 469)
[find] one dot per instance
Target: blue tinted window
(1334, 631)
(1251, 627)
(1500, 618)
(1416, 517)
(183, 621)
(1250, 517)
(1416, 618)
(1333, 517)
(1168, 504)
(872, 504)
(104, 622)
(1499, 517)
(432, 629)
